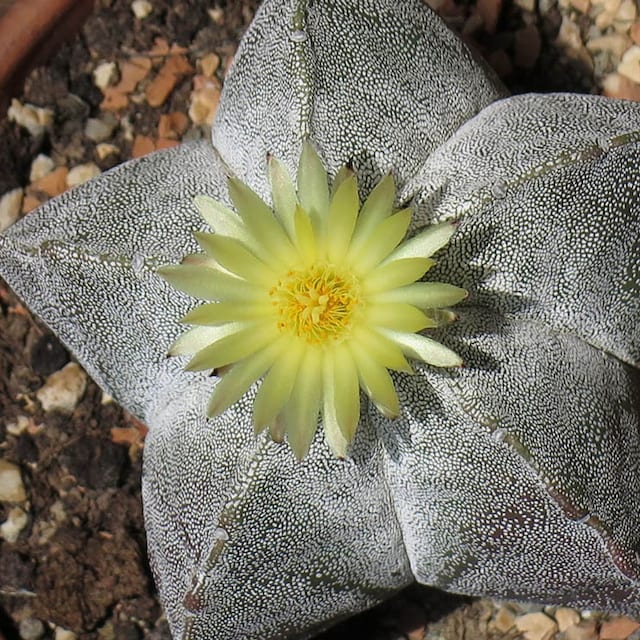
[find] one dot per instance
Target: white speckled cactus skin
(516, 477)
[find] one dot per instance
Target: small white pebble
(217, 15)
(64, 634)
(82, 173)
(105, 149)
(104, 74)
(34, 119)
(11, 485)
(98, 130)
(31, 629)
(10, 205)
(40, 167)
(19, 426)
(141, 8)
(11, 528)
(630, 64)
(63, 389)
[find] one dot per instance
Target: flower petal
(341, 389)
(425, 243)
(343, 213)
(209, 284)
(305, 237)
(235, 257)
(199, 337)
(422, 348)
(380, 348)
(284, 196)
(375, 209)
(301, 412)
(233, 347)
(313, 189)
(395, 274)
(381, 242)
(269, 239)
(399, 317)
(377, 383)
(214, 313)
(240, 377)
(424, 295)
(220, 218)
(277, 386)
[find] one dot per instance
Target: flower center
(317, 303)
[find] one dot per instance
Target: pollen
(318, 304)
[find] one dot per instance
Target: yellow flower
(317, 296)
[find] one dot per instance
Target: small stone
(210, 64)
(11, 486)
(536, 626)
(98, 130)
(204, 100)
(634, 32)
(630, 64)
(163, 84)
(142, 145)
(618, 628)
(526, 5)
(544, 6)
(217, 15)
(31, 629)
(607, 15)
(489, 10)
(19, 426)
(570, 40)
(566, 618)
(63, 389)
(40, 167)
(31, 202)
(172, 125)
(34, 119)
(105, 149)
(82, 173)
(616, 43)
(104, 74)
(527, 47)
(627, 12)
(582, 6)
(585, 630)
(504, 619)
(10, 206)
(472, 25)
(15, 523)
(53, 184)
(63, 634)
(141, 8)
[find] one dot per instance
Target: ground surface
(75, 558)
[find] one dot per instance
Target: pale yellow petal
(234, 347)
(395, 274)
(198, 338)
(235, 383)
(277, 385)
(209, 284)
(220, 218)
(384, 351)
(305, 237)
(284, 196)
(313, 189)
(332, 432)
(420, 347)
(215, 313)
(424, 295)
(375, 209)
(235, 257)
(380, 243)
(343, 212)
(270, 241)
(399, 316)
(343, 173)
(377, 383)
(425, 243)
(341, 388)
(301, 411)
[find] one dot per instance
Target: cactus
(515, 476)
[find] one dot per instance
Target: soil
(80, 564)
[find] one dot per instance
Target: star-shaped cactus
(516, 476)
